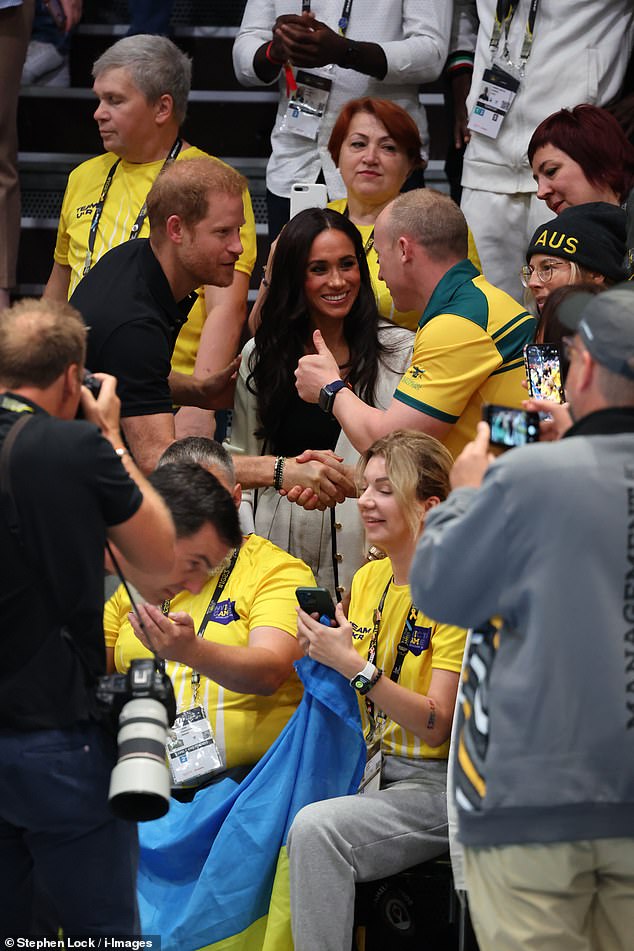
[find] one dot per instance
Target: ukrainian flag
(213, 873)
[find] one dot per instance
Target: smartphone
(511, 427)
(543, 371)
(307, 196)
(56, 11)
(316, 601)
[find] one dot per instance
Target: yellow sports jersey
(468, 351)
(260, 592)
(437, 646)
(128, 191)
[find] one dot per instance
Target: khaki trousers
(571, 896)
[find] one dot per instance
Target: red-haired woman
(580, 155)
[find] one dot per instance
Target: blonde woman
(405, 668)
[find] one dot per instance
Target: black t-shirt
(134, 321)
(69, 486)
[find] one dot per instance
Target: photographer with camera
(65, 489)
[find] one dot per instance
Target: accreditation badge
(371, 779)
(497, 91)
(307, 104)
(191, 748)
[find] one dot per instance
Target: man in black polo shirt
(64, 489)
(137, 297)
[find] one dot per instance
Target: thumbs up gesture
(316, 370)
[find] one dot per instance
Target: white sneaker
(45, 66)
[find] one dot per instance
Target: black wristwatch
(327, 395)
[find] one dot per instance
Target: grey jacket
(546, 748)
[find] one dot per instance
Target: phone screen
(511, 427)
(543, 372)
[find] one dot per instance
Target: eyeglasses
(544, 272)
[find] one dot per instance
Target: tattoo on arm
(431, 719)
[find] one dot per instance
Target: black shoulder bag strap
(5, 477)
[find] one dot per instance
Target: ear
(405, 248)
(163, 109)
(175, 229)
(72, 378)
(587, 369)
(237, 494)
(430, 503)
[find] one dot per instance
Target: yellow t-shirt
(437, 646)
(130, 186)
(260, 592)
(468, 351)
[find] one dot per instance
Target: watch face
(360, 683)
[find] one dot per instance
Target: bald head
(39, 340)
(432, 220)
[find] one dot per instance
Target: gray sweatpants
(335, 843)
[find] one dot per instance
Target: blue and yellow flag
(213, 873)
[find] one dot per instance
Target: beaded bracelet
(278, 473)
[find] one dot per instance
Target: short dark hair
(39, 339)
(194, 497)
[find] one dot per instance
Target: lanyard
(401, 650)
(504, 13)
(138, 224)
(344, 18)
(222, 581)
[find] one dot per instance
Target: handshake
(318, 479)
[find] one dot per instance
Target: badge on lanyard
(191, 748)
(501, 82)
(371, 779)
(495, 98)
(307, 103)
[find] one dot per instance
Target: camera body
(142, 706)
(91, 383)
(142, 682)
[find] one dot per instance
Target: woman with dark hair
(318, 280)
(581, 155)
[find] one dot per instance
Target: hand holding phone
(316, 601)
(510, 427)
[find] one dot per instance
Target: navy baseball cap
(605, 323)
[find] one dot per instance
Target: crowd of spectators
(356, 459)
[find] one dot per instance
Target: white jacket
(414, 35)
(580, 53)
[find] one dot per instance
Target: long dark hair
(285, 327)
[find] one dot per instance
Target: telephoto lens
(140, 782)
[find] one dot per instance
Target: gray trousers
(335, 843)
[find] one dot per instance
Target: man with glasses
(544, 778)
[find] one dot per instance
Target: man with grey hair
(544, 773)
(470, 338)
(142, 84)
